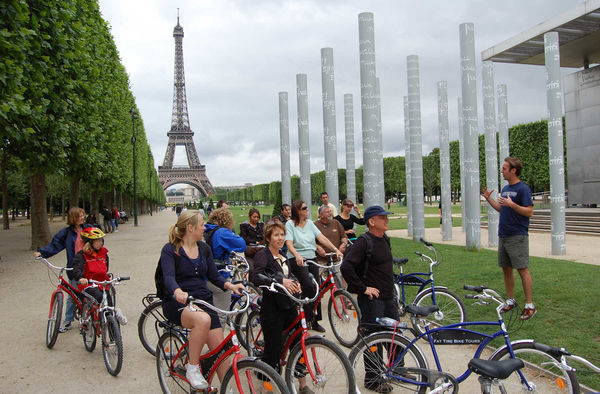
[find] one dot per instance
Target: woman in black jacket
(277, 311)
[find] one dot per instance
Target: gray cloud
(240, 54)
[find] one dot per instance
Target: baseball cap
(375, 210)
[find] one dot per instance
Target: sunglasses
(304, 208)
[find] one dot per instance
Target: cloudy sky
(239, 54)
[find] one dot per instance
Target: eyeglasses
(349, 205)
(304, 208)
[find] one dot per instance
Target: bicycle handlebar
(49, 264)
(194, 301)
(332, 265)
(106, 282)
(274, 284)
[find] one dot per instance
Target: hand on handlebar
(236, 288)
(36, 255)
(292, 286)
(83, 281)
(181, 296)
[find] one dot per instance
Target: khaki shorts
(513, 251)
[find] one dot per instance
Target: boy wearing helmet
(92, 263)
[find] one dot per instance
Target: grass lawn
(568, 310)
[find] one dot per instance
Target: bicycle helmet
(91, 233)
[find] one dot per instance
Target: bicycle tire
(147, 324)
(171, 371)
(336, 374)
(112, 345)
(254, 335)
(54, 319)
(390, 345)
(344, 318)
(546, 377)
(88, 328)
(452, 309)
(254, 374)
(240, 321)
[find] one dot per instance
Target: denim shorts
(513, 251)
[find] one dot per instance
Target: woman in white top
(300, 238)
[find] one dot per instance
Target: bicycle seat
(400, 261)
(422, 310)
(495, 369)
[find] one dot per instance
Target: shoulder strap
(369, 253)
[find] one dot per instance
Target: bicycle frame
(328, 285)
(98, 308)
(64, 285)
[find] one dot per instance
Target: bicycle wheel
(344, 317)
(112, 345)
(255, 377)
(56, 305)
(375, 361)
(541, 371)
(452, 309)
(88, 328)
(241, 320)
(329, 364)
(254, 335)
(171, 357)
(148, 322)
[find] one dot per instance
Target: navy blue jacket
(187, 277)
(64, 239)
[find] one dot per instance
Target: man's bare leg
(509, 282)
(527, 284)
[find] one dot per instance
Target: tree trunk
(107, 199)
(74, 193)
(51, 209)
(40, 231)
(94, 202)
(62, 203)
(5, 210)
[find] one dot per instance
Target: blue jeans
(70, 310)
(115, 224)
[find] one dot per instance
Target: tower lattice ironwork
(181, 134)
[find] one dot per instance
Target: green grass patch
(565, 293)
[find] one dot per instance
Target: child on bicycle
(92, 263)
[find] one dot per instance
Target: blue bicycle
(387, 359)
(447, 307)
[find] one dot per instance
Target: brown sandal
(528, 313)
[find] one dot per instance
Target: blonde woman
(189, 278)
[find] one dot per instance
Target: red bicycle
(321, 362)
(56, 301)
(342, 309)
(99, 319)
(246, 374)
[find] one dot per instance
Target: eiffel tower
(194, 173)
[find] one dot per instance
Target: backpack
(159, 281)
(369, 254)
(208, 236)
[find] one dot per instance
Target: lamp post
(133, 118)
(150, 178)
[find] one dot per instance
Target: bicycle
(342, 308)
(151, 323)
(246, 374)
(450, 308)
(56, 302)
(321, 361)
(397, 360)
(99, 319)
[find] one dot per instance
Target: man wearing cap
(372, 279)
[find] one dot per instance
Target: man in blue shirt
(516, 207)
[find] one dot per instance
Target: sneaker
(508, 305)
(194, 376)
(528, 313)
(305, 390)
(379, 386)
(317, 327)
(121, 317)
(66, 326)
(117, 230)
